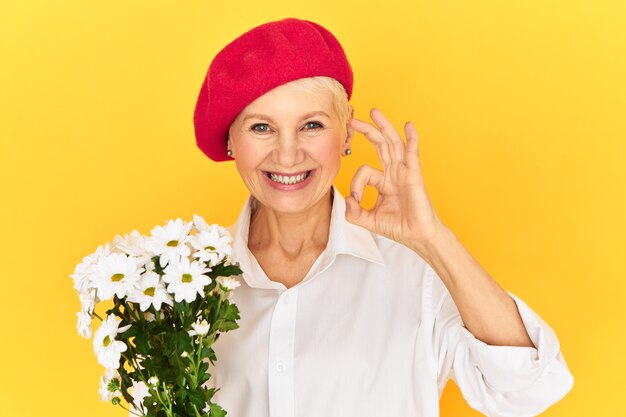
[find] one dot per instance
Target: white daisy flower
(228, 283)
(229, 260)
(88, 300)
(108, 350)
(186, 279)
(199, 223)
(202, 226)
(150, 291)
(83, 324)
(148, 266)
(169, 241)
(110, 383)
(211, 246)
(200, 328)
(83, 272)
(139, 391)
(133, 244)
(116, 274)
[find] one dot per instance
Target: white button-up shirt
(370, 331)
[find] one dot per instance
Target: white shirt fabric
(370, 331)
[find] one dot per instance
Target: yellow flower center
(186, 278)
(210, 248)
(107, 341)
(149, 291)
(172, 243)
(117, 277)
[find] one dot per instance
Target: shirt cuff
(513, 368)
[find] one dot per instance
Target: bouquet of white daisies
(168, 297)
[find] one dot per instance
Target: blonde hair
(321, 83)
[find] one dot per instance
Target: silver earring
(348, 151)
(229, 152)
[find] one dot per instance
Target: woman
(347, 311)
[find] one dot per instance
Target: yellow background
(520, 108)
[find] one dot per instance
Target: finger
(391, 135)
(356, 214)
(375, 137)
(365, 175)
(412, 146)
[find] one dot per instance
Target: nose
(287, 152)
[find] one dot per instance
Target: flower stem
(196, 410)
(157, 315)
(132, 313)
(167, 405)
(131, 411)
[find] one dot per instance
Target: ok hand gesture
(403, 211)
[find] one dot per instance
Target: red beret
(261, 59)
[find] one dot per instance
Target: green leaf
(157, 265)
(204, 367)
(232, 312)
(197, 398)
(216, 411)
(142, 343)
(211, 356)
(179, 341)
(209, 394)
(222, 270)
(226, 326)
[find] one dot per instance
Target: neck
(291, 233)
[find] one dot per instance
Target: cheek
(327, 153)
(246, 161)
(248, 154)
(246, 164)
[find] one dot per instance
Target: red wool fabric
(259, 60)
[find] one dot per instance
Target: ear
(349, 130)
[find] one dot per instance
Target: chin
(288, 203)
(291, 200)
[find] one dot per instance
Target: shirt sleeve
(500, 381)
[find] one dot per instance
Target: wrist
(430, 248)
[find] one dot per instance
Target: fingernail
(356, 197)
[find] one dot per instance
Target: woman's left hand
(403, 211)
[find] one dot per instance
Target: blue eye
(253, 128)
(319, 125)
(264, 128)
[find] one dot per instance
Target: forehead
(289, 101)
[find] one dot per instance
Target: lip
(289, 187)
(287, 174)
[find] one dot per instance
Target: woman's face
(287, 146)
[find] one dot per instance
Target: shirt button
(280, 367)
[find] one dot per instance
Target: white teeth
(283, 179)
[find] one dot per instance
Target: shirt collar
(344, 238)
(348, 238)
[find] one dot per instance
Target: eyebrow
(306, 116)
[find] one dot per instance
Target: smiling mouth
(287, 179)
